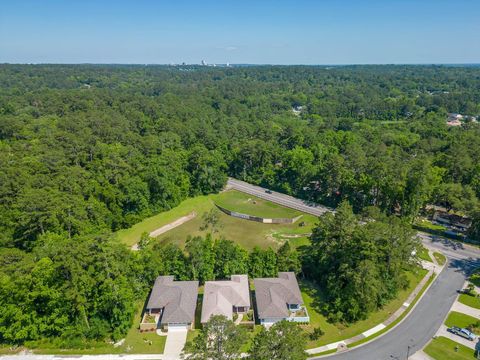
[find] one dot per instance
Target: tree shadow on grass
(317, 295)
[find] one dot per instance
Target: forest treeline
(86, 150)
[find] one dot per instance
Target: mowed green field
(244, 232)
(247, 204)
(461, 320)
(442, 348)
(469, 300)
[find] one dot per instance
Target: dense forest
(87, 150)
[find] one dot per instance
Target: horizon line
(213, 64)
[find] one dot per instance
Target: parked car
(268, 191)
(467, 334)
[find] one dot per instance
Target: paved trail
(173, 224)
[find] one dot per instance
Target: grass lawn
(9, 350)
(135, 343)
(442, 348)
(461, 320)
(246, 233)
(247, 204)
(472, 301)
(423, 254)
(475, 277)
(441, 259)
(312, 296)
(426, 224)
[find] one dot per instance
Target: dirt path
(173, 224)
(170, 226)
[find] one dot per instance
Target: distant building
(297, 109)
(204, 63)
(454, 119)
(454, 123)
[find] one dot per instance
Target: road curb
(393, 327)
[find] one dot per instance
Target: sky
(241, 31)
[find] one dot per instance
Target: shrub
(316, 334)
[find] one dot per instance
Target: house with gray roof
(226, 297)
(279, 299)
(173, 303)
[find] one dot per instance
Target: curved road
(417, 329)
(422, 323)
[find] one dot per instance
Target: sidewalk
(420, 355)
(343, 343)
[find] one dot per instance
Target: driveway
(443, 332)
(176, 339)
(459, 307)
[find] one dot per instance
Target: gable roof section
(177, 298)
(219, 297)
(273, 295)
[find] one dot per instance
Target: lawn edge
(390, 327)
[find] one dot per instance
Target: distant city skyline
(241, 32)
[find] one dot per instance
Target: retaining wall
(257, 218)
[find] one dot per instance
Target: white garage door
(178, 327)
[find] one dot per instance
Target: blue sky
(242, 31)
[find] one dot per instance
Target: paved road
(279, 198)
(423, 322)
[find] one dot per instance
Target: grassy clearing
(135, 343)
(469, 300)
(247, 204)
(441, 259)
(442, 348)
(9, 350)
(461, 320)
(244, 232)
(423, 254)
(312, 296)
(132, 235)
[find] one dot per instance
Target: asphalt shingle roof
(177, 298)
(273, 294)
(219, 297)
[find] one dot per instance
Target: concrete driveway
(459, 307)
(176, 339)
(445, 333)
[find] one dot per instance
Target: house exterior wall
(241, 309)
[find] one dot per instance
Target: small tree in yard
(145, 239)
(283, 341)
(470, 289)
(211, 220)
(316, 334)
(219, 339)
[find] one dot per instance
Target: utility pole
(408, 351)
